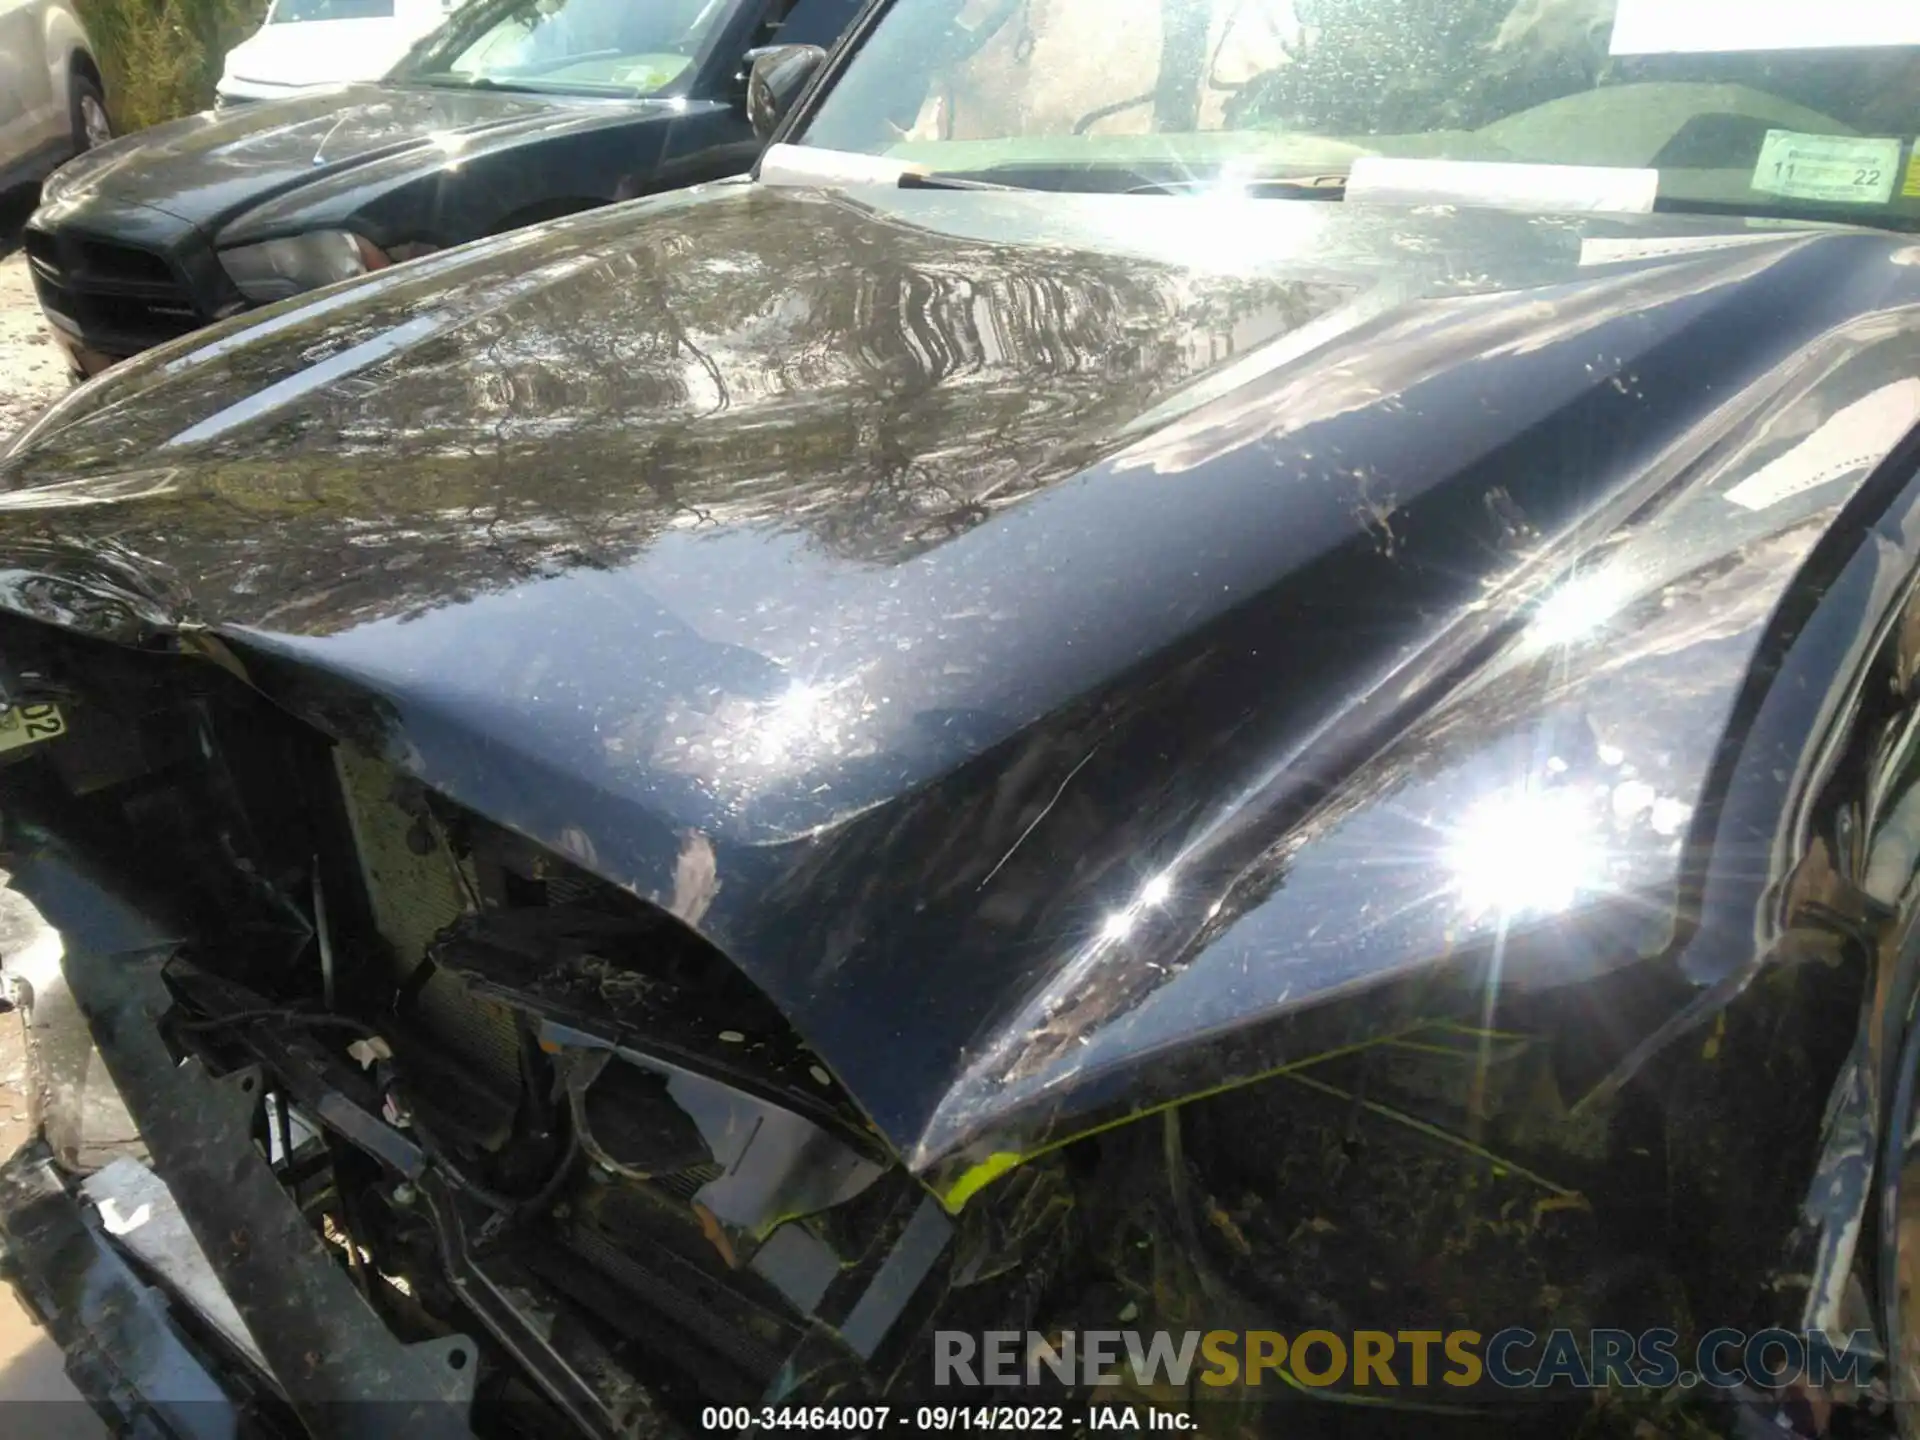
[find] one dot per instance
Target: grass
(160, 58)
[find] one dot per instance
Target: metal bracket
(342, 1370)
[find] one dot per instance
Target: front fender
(1692, 688)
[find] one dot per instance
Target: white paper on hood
(811, 165)
(1851, 442)
(1609, 250)
(1707, 27)
(1499, 185)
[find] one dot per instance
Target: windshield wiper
(472, 82)
(1811, 214)
(1315, 187)
(936, 180)
(1318, 187)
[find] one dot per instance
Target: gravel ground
(32, 375)
(32, 372)
(36, 1400)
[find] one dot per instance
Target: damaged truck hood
(1053, 644)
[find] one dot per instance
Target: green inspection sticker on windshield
(30, 724)
(1839, 169)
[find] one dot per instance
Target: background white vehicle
(307, 43)
(52, 104)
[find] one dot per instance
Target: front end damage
(566, 1004)
(463, 1131)
(467, 1139)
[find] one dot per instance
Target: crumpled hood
(208, 167)
(1059, 629)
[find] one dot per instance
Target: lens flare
(1579, 608)
(1527, 851)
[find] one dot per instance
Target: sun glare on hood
(1154, 894)
(1526, 852)
(792, 719)
(1579, 608)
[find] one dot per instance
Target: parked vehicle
(304, 44)
(52, 102)
(516, 111)
(1229, 682)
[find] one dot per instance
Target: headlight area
(548, 1143)
(515, 1113)
(277, 269)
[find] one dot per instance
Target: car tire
(91, 124)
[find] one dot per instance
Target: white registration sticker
(29, 725)
(1390, 180)
(1839, 169)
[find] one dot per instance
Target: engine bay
(551, 1140)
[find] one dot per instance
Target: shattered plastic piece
(716, 1234)
(696, 879)
(369, 1050)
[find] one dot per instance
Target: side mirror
(777, 75)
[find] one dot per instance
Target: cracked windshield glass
(1739, 106)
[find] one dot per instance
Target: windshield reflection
(619, 46)
(1123, 93)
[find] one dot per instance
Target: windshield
(1765, 107)
(288, 12)
(615, 47)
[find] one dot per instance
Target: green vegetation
(162, 57)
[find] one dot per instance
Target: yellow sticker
(30, 724)
(1912, 188)
(1838, 169)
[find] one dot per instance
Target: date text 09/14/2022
(935, 1419)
